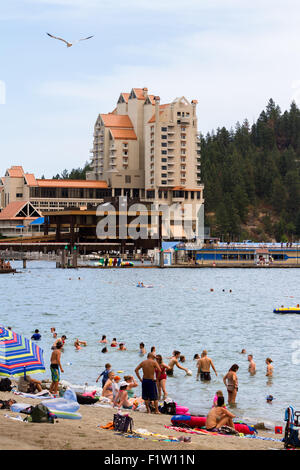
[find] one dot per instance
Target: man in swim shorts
(174, 362)
(55, 368)
(219, 416)
(149, 388)
(204, 364)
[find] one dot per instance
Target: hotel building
(150, 151)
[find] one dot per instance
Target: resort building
(151, 151)
(49, 194)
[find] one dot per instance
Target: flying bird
(69, 44)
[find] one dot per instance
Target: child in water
(218, 394)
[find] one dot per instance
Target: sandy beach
(85, 434)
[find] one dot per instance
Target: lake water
(180, 312)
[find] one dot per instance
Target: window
(19, 195)
(163, 182)
(164, 152)
(166, 194)
(186, 195)
(164, 167)
(164, 129)
(192, 194)
(164, 144)
(127, 179)
(118, 191)
(164, 136)
(178, 113)
(198, 195)
(164, 175)
(151, 194)
(164, 160)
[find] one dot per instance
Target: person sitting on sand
(131, 384)
(270, 368)
(149, 387)
(175, 362)
(107, 390)
(28, 385)
(204, 364)
(219, 416)
(121, 399)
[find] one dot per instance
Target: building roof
(125, 134)
(125, 96)
(116, 120)
(139, 92)
(93, 184)
(30, 179)
(15, 172)
(162, 107)
(14, 211)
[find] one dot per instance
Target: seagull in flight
(69, 44)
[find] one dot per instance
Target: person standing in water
(204, 364)
(270, 368)
(231, 382)
(252, 365)
(175, 362)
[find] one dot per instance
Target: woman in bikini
(231, 382)
(107, 390)
(161, 377)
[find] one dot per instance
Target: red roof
(126, 134)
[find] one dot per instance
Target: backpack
(168, 408)
(39, 414)
(5, 385)
(122, 423)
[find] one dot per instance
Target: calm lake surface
(180, 312)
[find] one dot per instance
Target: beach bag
(228, 430)
(292, 440)
(123, 423)
(168, 408)
(5, 385)
(39, 414)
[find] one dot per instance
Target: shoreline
(85, 434)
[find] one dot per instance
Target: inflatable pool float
(182, 410)
(67, 404)
(84, 399)
(19, 407)
(199, 422)
(287, 310)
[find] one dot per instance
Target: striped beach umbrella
(19, 355)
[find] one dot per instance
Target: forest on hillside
(252, 178)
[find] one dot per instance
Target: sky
(230, 55)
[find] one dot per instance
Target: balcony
(185, 120)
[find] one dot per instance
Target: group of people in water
(122, 392)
